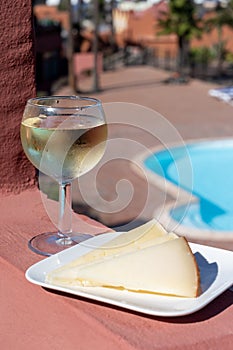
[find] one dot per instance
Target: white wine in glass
(64, 137)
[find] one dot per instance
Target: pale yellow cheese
(168, 268)
(146, 259)
(143, 236)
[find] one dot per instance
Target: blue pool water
(204, 169)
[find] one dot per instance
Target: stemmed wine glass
(64, 137)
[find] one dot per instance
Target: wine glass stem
(65, 209)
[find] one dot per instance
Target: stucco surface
(17, 84)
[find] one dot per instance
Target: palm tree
(70, 45)
(223, 17)
(64, 5)
(96, 8)
(181, 19)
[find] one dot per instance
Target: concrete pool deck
(189, 108)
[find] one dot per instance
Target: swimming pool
(205, 170)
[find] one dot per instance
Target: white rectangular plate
(216, 270)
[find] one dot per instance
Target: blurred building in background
(128, 34)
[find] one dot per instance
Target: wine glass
(64, 137)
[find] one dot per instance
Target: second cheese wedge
(143, 236)
(169, 268)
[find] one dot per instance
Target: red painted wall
(17, 84)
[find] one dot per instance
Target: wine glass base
(50, 243)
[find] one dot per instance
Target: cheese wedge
(169, 268)
(143, 236)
